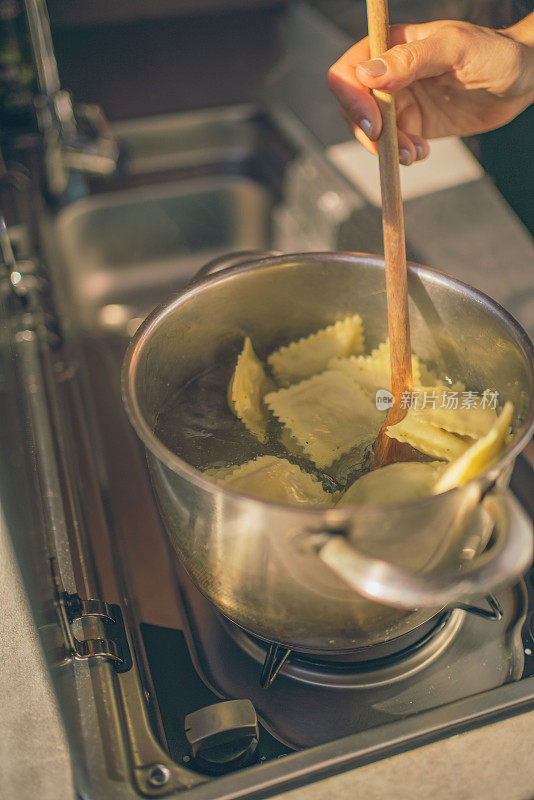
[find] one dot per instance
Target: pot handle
(509, 556)
(234, 259)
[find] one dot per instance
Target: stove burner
(313, 702)
(369, 666)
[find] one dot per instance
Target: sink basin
(135, 247)
(198, 185)
(123, 251)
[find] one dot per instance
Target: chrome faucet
(75, 138)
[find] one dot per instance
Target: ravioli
(422, 375)
(373, 372)
(480, 455)
(311, 354)
(246, 390)
(428, 438)
(289, 442)
(276, 479)
(328, 414)
(219, 473)
(475, 421)
(394, 483)
(382, 354)
(442, 431)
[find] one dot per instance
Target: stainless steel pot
(336, 579)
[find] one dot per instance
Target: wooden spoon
(389, 450)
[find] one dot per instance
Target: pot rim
(334, 516)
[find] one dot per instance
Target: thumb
(405, 63)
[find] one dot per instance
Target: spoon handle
(392, 220)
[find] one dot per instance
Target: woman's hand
(449, 78)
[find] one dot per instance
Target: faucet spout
(76, 139)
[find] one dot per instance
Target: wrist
(522, 31)
(523, 34)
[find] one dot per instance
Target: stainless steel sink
(198, 185)
(133, 248)
(187, 198)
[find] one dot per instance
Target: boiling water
(196, 423)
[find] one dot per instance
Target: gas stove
(312, 702)
(462, 668)
(159, 692)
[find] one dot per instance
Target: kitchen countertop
(493, 762)
(34, 758)
(33, 753)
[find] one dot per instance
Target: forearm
(523, 31)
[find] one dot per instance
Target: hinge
(113, 647)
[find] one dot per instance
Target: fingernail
(420, 152)
(405, 157)
(375, 67)
(366, 126)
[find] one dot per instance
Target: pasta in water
(473, 421)
(422, 375)
(273, 478)
(247, 388)
(311, 354)
(373, 372)
(289, 442)
(428, 438)
(394, 483)
(480, 455)
(382, 355)
(328, 415)
(439, 430)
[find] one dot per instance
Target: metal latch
(113, 647)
